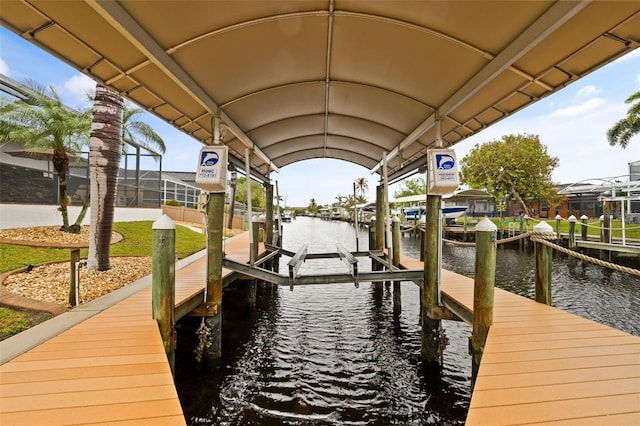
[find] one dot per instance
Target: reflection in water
(336, 354)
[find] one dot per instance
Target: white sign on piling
(443, 172)
(211, 175)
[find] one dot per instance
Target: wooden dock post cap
(584, 217)
(558, 217)
(395, 219)
(164, 222)
(572, 218)
(486, 225)
(542, 227)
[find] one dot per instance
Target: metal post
(268, 223)
(380, 233)
(483, 289)
(163, 283)
(395, 249)
(544, 258)
(355, 215)
(232, 195)
(387, 213)
(247, 169)
(379, 240)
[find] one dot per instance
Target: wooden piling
(544, 258)
(163, 283)
(483, 289)
(395, 258)
(583, 227)
(572, 231)
(213, 302)
(431, 329)
(523, 229)
(558, 235)
(74, 281)
(255, 229)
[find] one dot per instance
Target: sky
(571, 123)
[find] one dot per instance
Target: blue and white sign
(211, 175)
(443, 171)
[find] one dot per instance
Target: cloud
(587, 91)
(577, 110)
(4, 67)
(75, 90)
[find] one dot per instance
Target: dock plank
(545, 365)
(109, 369)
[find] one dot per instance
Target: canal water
(335, 354)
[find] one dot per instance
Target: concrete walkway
(24, 215)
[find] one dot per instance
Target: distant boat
(453, 205)
(286, 216)
(452, 212)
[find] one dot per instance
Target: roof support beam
(327, 79)
(553, 18)
(113, 13)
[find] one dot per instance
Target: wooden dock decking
(542, 365)
(111, 368)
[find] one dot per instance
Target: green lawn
(631, 230)
(137, 241)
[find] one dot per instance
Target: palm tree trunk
(60, 162)
(105, 150)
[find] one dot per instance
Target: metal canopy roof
(295, 80)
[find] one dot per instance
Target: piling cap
(486, 225)
(584, 217)
(602, 218)
(542, 227)
(164, 222)
(558, 217)
(572, 218)
(395, 219)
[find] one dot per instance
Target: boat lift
(349, 259)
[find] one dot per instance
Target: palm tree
(313, 206)
(105, 150)
(41, 122)
(627, 127)
(361, 186)
(138, 133)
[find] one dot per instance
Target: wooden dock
(542, 365)
(109, 368)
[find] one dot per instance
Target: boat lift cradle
(297, 259)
